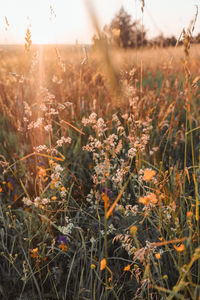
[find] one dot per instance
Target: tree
(125, 33)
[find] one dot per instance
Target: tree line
(123, 32)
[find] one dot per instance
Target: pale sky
(72, 21)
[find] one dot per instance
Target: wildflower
(48, 128)
(107, 191)
(133, 230)
(148, 175)
(127, 268)
(58, 169)
(40, 148)
(45, 201)
(180, 248)
(54, 198)
(93, 266)
(149, 199)
(103, 264)
(42, 173)
(37, 201)
(157, 255)
(132, 152)
(106, 200)
(63, 247)
(10, 186)
(63, 189)
(62, 239)
(34, 253)
(27, 201)
(189, 214)
(63, 140)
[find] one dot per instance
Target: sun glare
(41, 35)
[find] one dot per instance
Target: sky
(65, 21)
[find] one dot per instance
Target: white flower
(45, 201)
(37, 201)
(48, 128)
(131, 152)
(58, 169)
(63, 140)
(27, 201)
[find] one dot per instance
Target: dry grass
(99, 173)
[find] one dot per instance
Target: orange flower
(106, 200)
(149, 199)
(127, 268)
(189, 214)
(180, 248)
(34, 252)
(54, 198)
(52, 186)
(148, 175)
(103, 264)
(1, 189)
(10, 186)
(63, 247)
(42, 174)
(63, 189)
(157, 255)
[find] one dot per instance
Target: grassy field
(99, 173)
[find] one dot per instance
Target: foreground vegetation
(99, 173)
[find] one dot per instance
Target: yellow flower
(103, 264)
(127, 268)
(93, 266)
(148, 175)
(180, 248)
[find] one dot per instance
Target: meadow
(99, 173)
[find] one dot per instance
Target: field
(99, 173)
